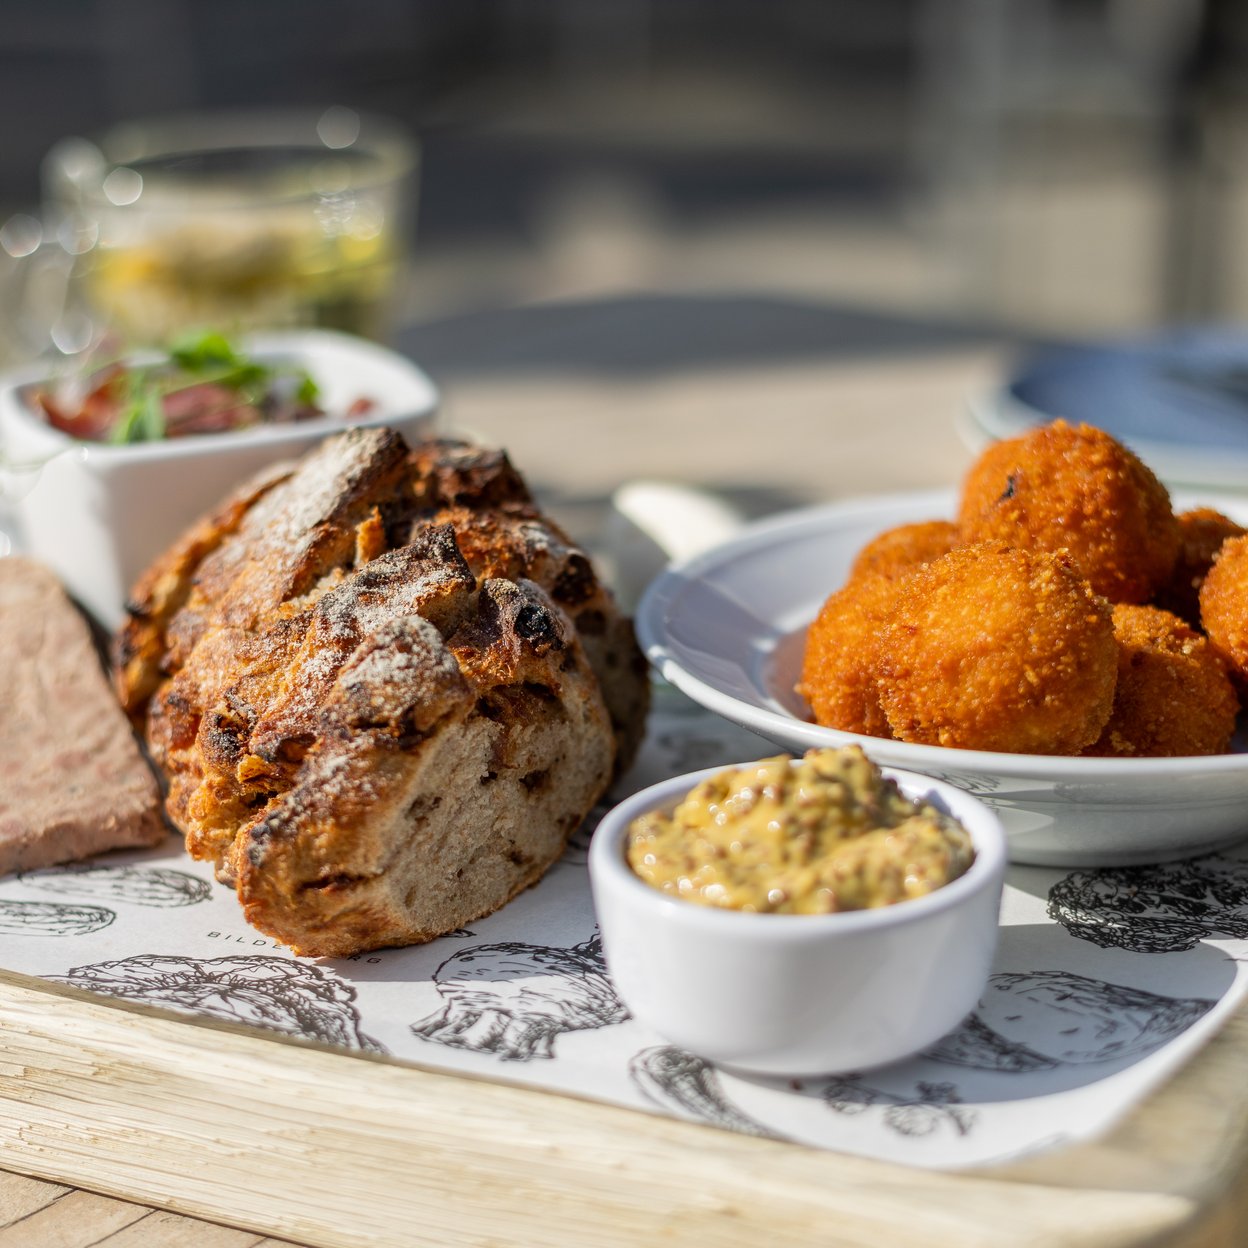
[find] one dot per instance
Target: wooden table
(768, 433)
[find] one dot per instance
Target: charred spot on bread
(223, 738)
(576, 583)
(534, 781)
(591, 623)
(537, 626)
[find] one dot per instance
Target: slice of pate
(72, 779)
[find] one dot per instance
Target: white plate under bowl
(728, 629)
(1178, 397)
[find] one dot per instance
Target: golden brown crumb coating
(897, 552)
(1075, 488)
(1224, 606)
(1201, 534)
(839, 669)
(1173, 695)
(995, 648)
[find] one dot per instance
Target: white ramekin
(799, 994)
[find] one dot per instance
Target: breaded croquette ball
(1075, 488)
(1173, 695)
(1201, 534)
(1224, 606)
(897, 552)
(995, 648)
(839, 668)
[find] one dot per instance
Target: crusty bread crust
(365, 680)
(513, 539)
(139, 649)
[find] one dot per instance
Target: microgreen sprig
(202, 358)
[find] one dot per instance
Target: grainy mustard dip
(825, 835)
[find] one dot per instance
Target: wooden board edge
(201, 1119)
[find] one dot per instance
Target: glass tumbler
(235, 221)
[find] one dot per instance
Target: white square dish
(97, 514)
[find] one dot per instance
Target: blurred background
(1050, 167)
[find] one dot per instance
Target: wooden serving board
(289, 1139)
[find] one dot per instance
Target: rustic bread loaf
(366, 678)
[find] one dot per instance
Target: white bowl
(728, 628)
(98, 514)
(783, 994)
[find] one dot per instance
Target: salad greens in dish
(201, 384)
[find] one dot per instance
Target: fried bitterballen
(1224, 607)
(897, 552)
(1201, 534)
(995, 648)
(1173, 695)
(1075, 488)
(839, 668)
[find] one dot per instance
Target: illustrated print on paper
(52, 918)
(513, 999)
(295, 998)
(1162, 909)
(1045, 1019)
(689, 1087)
(159, 887)
(932, 1107)
(971, 782)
